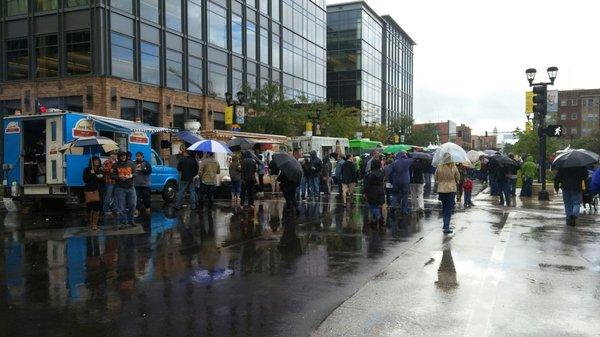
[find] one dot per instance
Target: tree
(422, 137)
(528, 144)
(591, 142)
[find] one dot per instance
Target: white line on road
(479, 320)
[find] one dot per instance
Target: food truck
(34, 168)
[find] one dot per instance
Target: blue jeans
(109, 199)
(315, 186)
(185, 186)
(467, 196)
(504, 191)
(527, 189)
(236, 188)
(375, 211)
(401, 192)
(303, 187)
(512, 183)
(572, 201)
(126, 199)
(207, 191)
(448, 200)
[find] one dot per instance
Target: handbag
(92, 196)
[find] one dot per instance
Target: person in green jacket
(528, 173)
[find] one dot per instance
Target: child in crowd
(468, 190)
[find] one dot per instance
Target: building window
(573, 131)
(563, 117)
(237, 81)
(125, 5)
(79, 56)
(150, 63)
(574, 116)
(16, 7)
(128, 109)
(181, 115)
(174, 69)
(46, 5)
(217, 80)
(275, 10)
(47, 56)
(275, 51)
(217, 25)
(237, 42)
(563, 102)
(195, 19)
(76, 3)
(574, 102)
(150, 113)
(251, 40)
(122, 55)
(264, 45)
(195, 79)
(17, 60)
(173, 14)
(149, 10)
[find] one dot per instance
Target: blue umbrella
(208, 145)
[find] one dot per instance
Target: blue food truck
(34, 167)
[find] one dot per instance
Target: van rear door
(54, 159)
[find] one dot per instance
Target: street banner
(309, 126)
(228, 115)
(552, 98)
(528, 102)
(240, 114)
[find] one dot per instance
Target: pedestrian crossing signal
(554, 130)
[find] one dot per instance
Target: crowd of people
(122, 185)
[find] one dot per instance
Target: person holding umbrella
(571, 177)
(93, 178)
(447, 178)
(290, 175)
(249, 170)
(142, 183)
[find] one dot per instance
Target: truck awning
(189, 137)
(125, 126)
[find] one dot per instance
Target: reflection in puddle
(447, 271)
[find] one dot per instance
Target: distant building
(483, 142)
(578, 112)
(446, 130)
(463, 136)
(369, 63)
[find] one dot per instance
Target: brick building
(480, 143)
(579, 112)
(446, 130)
(463, 136)
(160, 62)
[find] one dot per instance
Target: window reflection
(150, 63)
(17, 59)
(251, 40)
(149, 10)
(46, 5)
(217, 25)
(125, 5)
(195, 19)
(79, 58)
(16, 7)
(47, 56)
(122, 55)
(217, 80)
(173, 14)
(195, 79)
(236, 34)
(174, 69)
(75, 3)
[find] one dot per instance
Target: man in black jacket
(417, 185)
(349, 179)
(188, 168)
(249, 170)
(570, 180)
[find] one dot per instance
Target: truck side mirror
(165, 144)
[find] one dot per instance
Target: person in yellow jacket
(207, 173)
(447, 178)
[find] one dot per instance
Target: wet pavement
(505, 271)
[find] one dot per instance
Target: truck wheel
(170, 191)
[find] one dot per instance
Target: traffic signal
(540, 96)
(554, 130)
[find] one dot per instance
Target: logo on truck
(12, 127)
(84, 128)
(139, 138)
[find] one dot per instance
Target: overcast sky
(471, 55)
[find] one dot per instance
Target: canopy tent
(397, 148)
(125, 126)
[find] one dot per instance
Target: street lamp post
(540, 109)
(241, 100)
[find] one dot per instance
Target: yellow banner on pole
(309, 126)
(528, 127)
(528, 102)
(228, 115)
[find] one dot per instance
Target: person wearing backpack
(249, 170)
(326, 176)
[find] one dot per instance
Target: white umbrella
(89, 145)
(474, 155)
(457, 154)
(209, 145)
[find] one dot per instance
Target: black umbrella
(575, 158)
(240, 143)
(504, 161)
(421, 155)
(288, 165)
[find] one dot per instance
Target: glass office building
(369, 63)
(158, 61)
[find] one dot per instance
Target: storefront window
(47, 56)
(17, 60)
(79, 59)
(128, 109)
(150, 113)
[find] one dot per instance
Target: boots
(95, 218)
